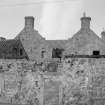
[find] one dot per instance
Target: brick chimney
(29, 22)
(85, 22)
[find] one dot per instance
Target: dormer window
(96, 52)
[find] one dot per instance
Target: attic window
(96, 52)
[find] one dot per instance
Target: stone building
(36, 47)
(72, 81)
(85, 41)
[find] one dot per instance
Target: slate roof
(6, 49)
(5, 45)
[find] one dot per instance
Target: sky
(54, 19)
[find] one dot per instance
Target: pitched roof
(6, 45)
(83, 39)
(57, 43)
(6, 48)
(27, 33)
(31, 41)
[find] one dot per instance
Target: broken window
(57, 53)
(21, 52)
(96, 52)
(42, 54)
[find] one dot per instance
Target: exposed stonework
(31, 39)
(47, 78)
(77, 80)
(84, 42)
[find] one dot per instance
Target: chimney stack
(29, 22)
(85, 22)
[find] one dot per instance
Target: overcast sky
(54, 19)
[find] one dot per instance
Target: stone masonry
(77, 80)
(61, 72)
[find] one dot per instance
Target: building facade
(69, 82)
(84, 42)
(36, 47)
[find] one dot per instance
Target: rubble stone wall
(77, 81)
